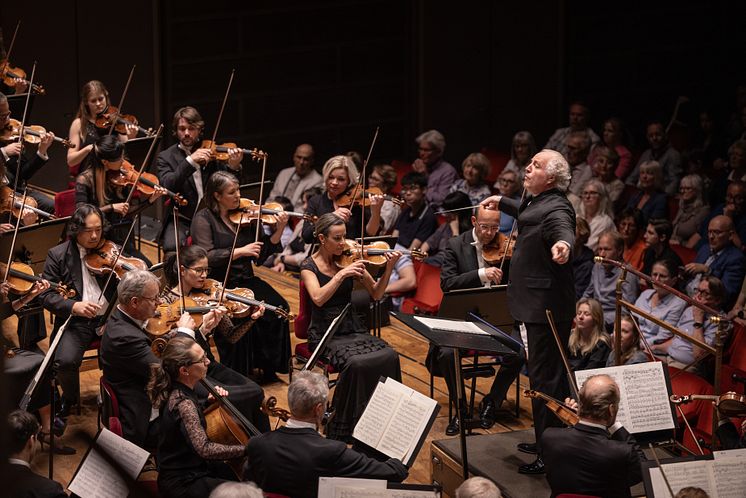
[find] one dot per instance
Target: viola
(31, 134)
(111, 116)
(248, 211)
(220, 152)
(127, 176)
(373, 253)
(566, 414)
(356, 196)
(22, 279)
(501, 247)
(28, 211)
(101, 261)
(730, 404)
(9, 74)
(270, 408)
(238, 302)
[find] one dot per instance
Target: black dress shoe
(529, 448)
(59, 448)
(488, 413)
(453, 427)
(537, 467)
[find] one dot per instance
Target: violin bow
(119, 253)
(178, 257)
(121, 100)
(642, 338)
(15, 231)
(261, 196)
(12, 43)
(222, 107)
(144, 164)
(230, 255)
(512, 231)
(23, 127)
(660, 468)
(573, 384)
(360, 182)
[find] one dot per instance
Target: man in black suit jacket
(541, 278)
(464, 268)
(65, 265)
(21, 481)
(290, 460)
(597, 456)
(185, 168)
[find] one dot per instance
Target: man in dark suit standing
(185, 168)
(22, 482)
(541, 278)
(290, 460)
(65, 265)
(597, 456)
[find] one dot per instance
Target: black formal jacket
(125, 359)
(290, 462)
(536, 282)
(24, 483)
(63, 265)
(175, 174)
(29, 167)
(460, 268)
(586, 460)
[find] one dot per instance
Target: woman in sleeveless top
(360, 358)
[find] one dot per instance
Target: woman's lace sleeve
(193, 430)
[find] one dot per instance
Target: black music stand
(489, 303)
(34, 242)
(492, 341)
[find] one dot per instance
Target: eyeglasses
(5, 115)
(203, 359)
(205, 270)
(155, 299)
(686, 189)
(717, 233)
(488, 228)
(703, 292)
(410, 188)
(590, 194)
(505, 180)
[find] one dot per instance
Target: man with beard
(185, 168)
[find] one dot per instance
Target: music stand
(325, 339)
(489, 303)
(34, 242)
(486, 341)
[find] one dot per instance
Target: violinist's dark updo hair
(325, 223)
(109, 148)
(188, 256)
(162, 375)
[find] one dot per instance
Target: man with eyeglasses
(719, 258)
(65, 265)
(734, 208)
(464, 267)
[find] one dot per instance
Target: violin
(9, 74)
(270, 409)
(237, 301)
(730, 404)
(566, 414)
(373, 253)
(28, 211)
(100, 261)
(220, 152)
(248, 211)
(111, 116)
(361, 197)
(21, 279)
(167, 314)
(31, 134)
(127, 176)
(500, 247)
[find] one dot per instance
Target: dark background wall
(329, 72)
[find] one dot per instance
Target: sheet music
(736, 453)
(729, 477)
(680, 475)
(644, 405)
(96, 478)
(451, 325)
(377, 414)
(328, 485)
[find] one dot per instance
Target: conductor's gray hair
(307, 390)
(557, 166)
(237, 490)
(133, 283)
(478, 487)
(434, 138)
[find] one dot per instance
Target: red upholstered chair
(428, 295)
(684, 383)
(498, 160)
(402, 168)
(64, 203)
(687, 255)
(108, 413)
(702, 430)
(300, 328)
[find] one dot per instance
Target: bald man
(293, 181)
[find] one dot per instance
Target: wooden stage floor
(412, 350)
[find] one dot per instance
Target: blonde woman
(589, 344)
(595, 208)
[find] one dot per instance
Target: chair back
(109, 408)
(64, 203)
(428, 295)
(303, 320)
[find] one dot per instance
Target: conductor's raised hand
(491, 202)
(560, 253)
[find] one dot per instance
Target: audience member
(589, 344)
(656, 238)
(475, 169)
(384, 177)
(692, 212)
(579, 120)
(293, 181)
(612, 137)
(582, 257)
(734, 208)
(510, 185)
(604, 277)
(661, 152)
(632, 353)
(629, 224)
(649, 198)
(296, 250)
(733, 171)
(457, 222)
(478, 487)
(578, 146)
(595, 208)
(440, 174)
(522, 149)
(660, 303)
(417, 220)
(603, 166)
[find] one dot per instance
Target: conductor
(541, 279)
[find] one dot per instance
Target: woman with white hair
(340, 174)
(595, 208)
(522, 150)
(692, 211)
(440, 174)
(650, 198)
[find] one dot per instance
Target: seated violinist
(96, 185)
(10, 155)
(185, 167)
(464, 267)
(245, 394)
(189, 463)
(290, 460)
(65, 264)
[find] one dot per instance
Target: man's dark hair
(21, 426)
(414, 178)
(77, 220)
(662, 227)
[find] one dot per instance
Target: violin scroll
(270, 408)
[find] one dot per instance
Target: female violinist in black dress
(189, 464)
(360, 357)
(267, 345)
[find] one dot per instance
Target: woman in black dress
(267, 345)
(360, 358)
(189, 464)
